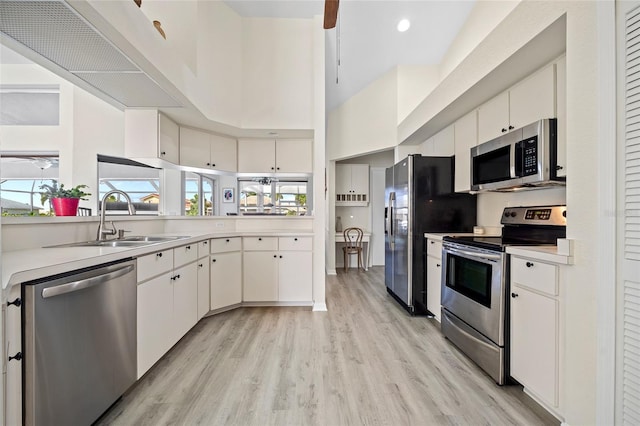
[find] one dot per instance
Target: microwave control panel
(529, 156)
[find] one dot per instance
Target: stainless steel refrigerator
(419, 198)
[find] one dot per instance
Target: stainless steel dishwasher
(79, 341)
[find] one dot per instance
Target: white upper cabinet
(493, 118)
(466, 137)
(275, 156)
(148, 134)
(439, 145)
(352, 184)
(534, 98)
(207, 151)
(294, 156)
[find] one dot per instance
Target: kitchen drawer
(260, 243)
(185, 254)
(295, 243)
(154, 264)
(434, 248)
(224, 245)
(535, 275)
(203, 248)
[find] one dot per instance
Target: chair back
(353, 237)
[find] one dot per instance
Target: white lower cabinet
(167, 303)
(434, 276)
(226, 279)
(294, 276)
(277, 269)
(203, 279)
(260, 276)
(535, 352)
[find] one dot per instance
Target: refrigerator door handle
(392, 199)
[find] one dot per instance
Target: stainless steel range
(475, 284)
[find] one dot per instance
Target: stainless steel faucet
(102, 232)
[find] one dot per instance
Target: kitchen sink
(133, 241)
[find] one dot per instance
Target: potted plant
(64, 201)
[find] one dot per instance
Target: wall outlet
(219, 224)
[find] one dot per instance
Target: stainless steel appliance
(475, 284)
(79, 341)
(525, 157)
(419, 198)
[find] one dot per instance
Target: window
(21, 175)
(199, 191)
(140, 182)
(31, 105)
(273, 196)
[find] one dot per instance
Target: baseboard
(319, 307)
(331, 272)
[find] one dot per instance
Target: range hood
(69, 45)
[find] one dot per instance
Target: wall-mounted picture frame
(227, 195)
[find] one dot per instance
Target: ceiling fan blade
(330, 13)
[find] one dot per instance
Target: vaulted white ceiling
(366, 40)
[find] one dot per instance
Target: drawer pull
(280, 257)
(432, 242)
(274, 256)
(514, 295)
(158, 254)
(259, 239)
(200, 265)
(295, 239)
(529, 264)
(205, 242)
(227, 240)
(188, 247)
(213, 260)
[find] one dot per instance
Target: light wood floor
(364, 362)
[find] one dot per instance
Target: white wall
(269, 86)
(366, 122)
(484, 17)
(415, 82)
(98, 128)
(277, 73)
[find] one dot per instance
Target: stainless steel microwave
(523, 158)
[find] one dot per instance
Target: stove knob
(513, 214)
(506, 214)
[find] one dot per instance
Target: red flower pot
(65, 206)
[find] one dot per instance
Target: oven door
(473, 288)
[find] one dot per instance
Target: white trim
(319, 307)
(331, 272)
(606, 293)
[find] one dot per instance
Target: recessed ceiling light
(403, 25)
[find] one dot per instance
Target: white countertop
(543, 253)
(31, 264)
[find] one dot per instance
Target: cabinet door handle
(529, 264)
(514, 295)
(437, 265)
(200, 265)
(504, 130)
(208, 164)
(272, 168)
(559, 167)
(227, 240)
(511, 127)
(158, 254)
(163, 153)
(213, 260)
(17, 357)
(188, 247)
(213, 165)
(274, 256)
(432, 242)
(280, 257)
(295, 239)
(277, 168)
(259, 239)
(205, 242)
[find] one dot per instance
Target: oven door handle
(481, 257)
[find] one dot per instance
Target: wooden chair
(352, 245)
